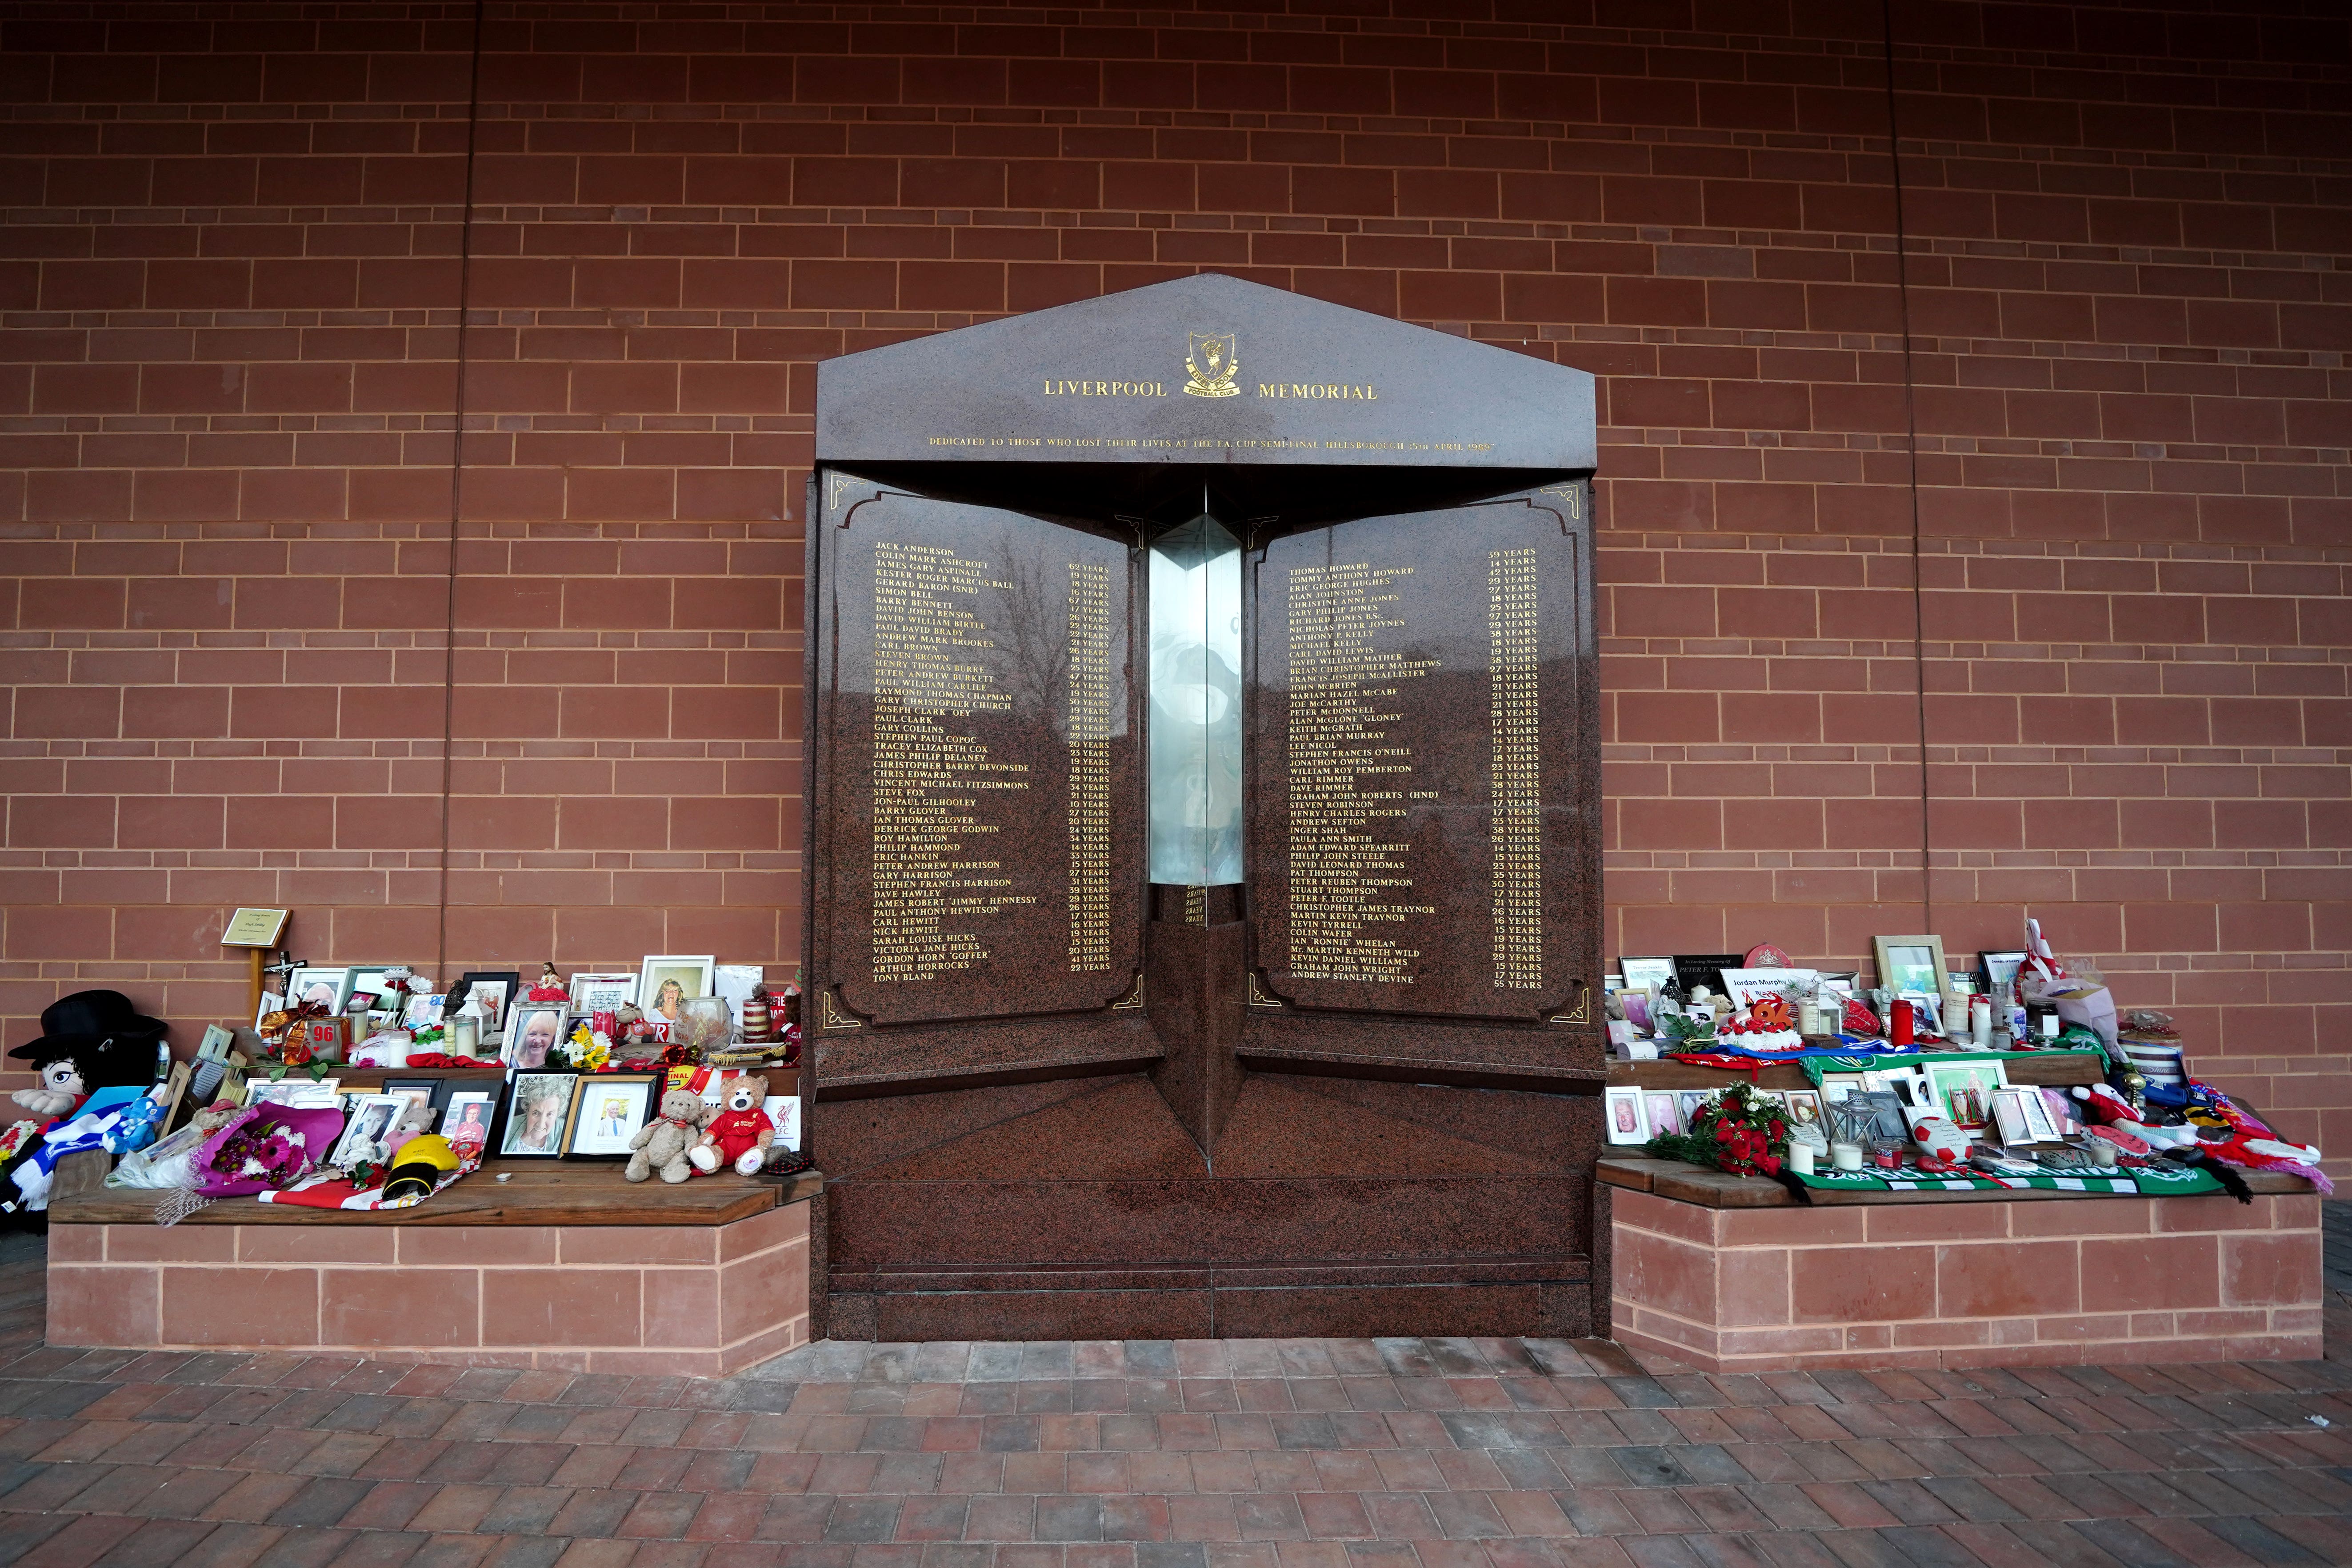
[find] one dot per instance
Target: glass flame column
(1196, 706)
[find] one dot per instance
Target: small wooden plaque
(254, 928)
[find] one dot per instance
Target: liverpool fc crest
(1210, 358)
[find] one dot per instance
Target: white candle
(1981, 1021)
(1846, 1156)
(1800, 1158)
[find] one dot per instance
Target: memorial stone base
(703, 1296)
(2103, 1280)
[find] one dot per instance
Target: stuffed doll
(661, 1144)
(739, 1134)
(89, 1040)
(61, 1089)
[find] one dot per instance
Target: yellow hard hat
(427, 1149)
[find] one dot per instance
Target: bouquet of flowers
(1739, 1130)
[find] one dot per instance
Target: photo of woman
(666, 982)
(535, 1124)
(532, 1034)
(467, 1120)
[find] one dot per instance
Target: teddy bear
(739, 1134)
(661, 1144)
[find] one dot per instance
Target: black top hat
(85, 1020)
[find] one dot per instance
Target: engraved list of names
(934, 877)
(1415, 709)
(1349, 785)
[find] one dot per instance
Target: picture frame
(1624, 1117)
(608, 1109)
(533, 1029)
(1882, 1110)
(498, 988)
(470, 1115)
(1662, 1111)
(1804, 1108)
(424, 1010)
(2009, 1118)
(368, 1121)
(1689, 1102)
(430, 1092)
(691, 975)
(295, 1093)
(1695, 970)
(601, 992)
(538, 1107)
(317, 983)
(2000, 970)
(175, 1089)
(733, 984)
(368, 978)
(2041, 1122)
(1908, 1085)
(1656, 974)
(1911, 966)
(1961, 1091)
(271, 1002)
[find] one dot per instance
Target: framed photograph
(1627, 1117)
(1664, 1111)
(2041, 1124)
(607, 1110)
(427, 1092)
(470, 1116)
(271, 1002)
(493, 989)
(1962, 1092)
(1688, 1103)
(1911, 966)
(370, 1120)
(534, 1029)
(664, 983)
(2008, 1117)
(1637, 1011)
(2000, 970)
(295, 1093)
(368, 980)
(1876, 1115)
(536, 1114)
(733, 984)
(423, 1012)
(601, 992)
(314, 983)
(1909, 1086)
(1655, 973)
(1836, 1086)
(1804, 1107)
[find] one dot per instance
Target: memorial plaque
(1202, 830)
(979, 760)
(1414, 754)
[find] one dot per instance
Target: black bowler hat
(86, 1021)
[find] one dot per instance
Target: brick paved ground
(1321, 1454)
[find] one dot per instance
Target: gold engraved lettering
(928, 777)
(1319, 390)
(1515, 830)
(1348, 790)
(1089, 741)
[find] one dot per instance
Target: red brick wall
(229, 286)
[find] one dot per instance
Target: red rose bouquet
(1740, 1131)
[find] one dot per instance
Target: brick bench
(563, 1265)
(1732, 1274)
